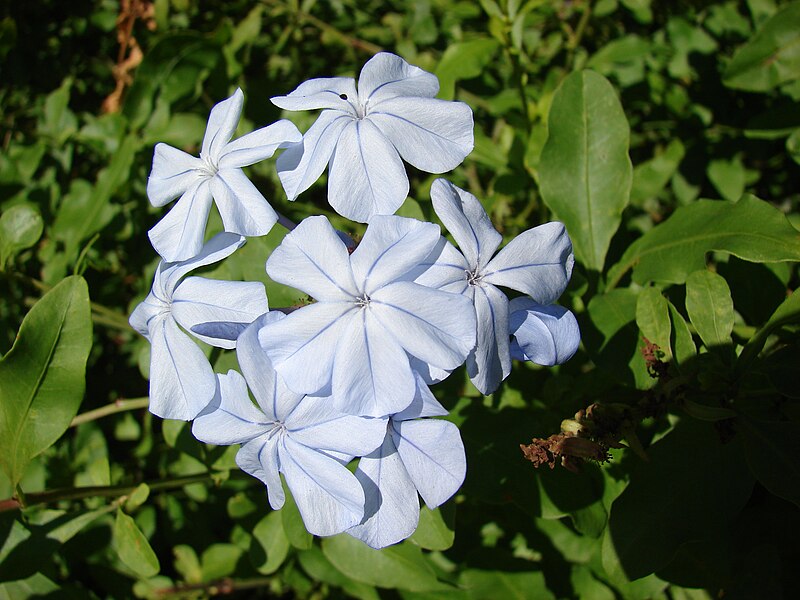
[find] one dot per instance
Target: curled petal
(230, 418)
(181, 380)
(302, 163)
(221, 126)
(179, 234)
(242, 207)
(328, 496)
(433, 135)
(145, 312)
(490, 361)
(433, 455)
(391, 512)
(366, 175)
(198, 300)
(387, 75)
(259, 457)
(302, 346)
(546, 335)
(392, 246)
(259, 144)
(538, 262)
(324, 92)
(173, 173)
(436, 327)
(465, 218)
(313, 258)
(214, 250)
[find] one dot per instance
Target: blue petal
(546, 335)
(222, 123)
(242, 207)
(387, 75)
(168, 275)
(323, 92)
(259, 457)
(490, 362)
(179, 234)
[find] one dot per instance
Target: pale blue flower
(182, 382)
(307, 439)
(544, 334)
(418, 455)
(368, 318)
(362, 134)
(538, 262)
(218, 174)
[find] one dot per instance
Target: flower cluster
(348, 375)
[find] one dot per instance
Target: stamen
(363, 301)
(473, 277)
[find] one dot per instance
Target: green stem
(575, 39)
(519, 80)
(117, 406)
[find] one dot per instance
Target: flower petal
(313, 258)
(387, 75)
(179, 234)
(319, 424)
(391, 247)
(546, 335)
(366, 174)
(433, 454)
(259, 458)
(324, 92)
(242, 207)
(465, 218)
(538, 262)
(433, 135)
(490, 361)
(302, 346)
(181, 380)
(230, 418)
(222, 123)
(329, 497)
(302, 163)
(371, 374)
(220, 246)
(173, 173)
(445, 269)
(144, 312)
(259, 144)
(423, 405)
(436, 327)
(391, 511)
(198, 300)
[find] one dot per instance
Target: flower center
(278, 428)
(473, 277)
(209, 166)
(362, 301)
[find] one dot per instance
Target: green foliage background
(666, 135)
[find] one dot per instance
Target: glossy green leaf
(463, 60)
(772, 449)
(661, 507)
(133, 548)
(710, 307)
(751, 229)
(402, 566)
(585, 172)
(435, 530)
(652, 317)
(269, 546)
(42, 376)
(20, 228)
(771, 57)
(489, 585)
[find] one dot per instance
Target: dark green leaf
(463, 60)
(787, 312)
(652, 317)
(489, 585)
(42, 376)
(133, 548)
(771, 56)
(584, 172)
(773, 449)
(435, 530)
(650, 177)
(751, 229)
(682, 344)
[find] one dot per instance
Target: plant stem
(117, 406)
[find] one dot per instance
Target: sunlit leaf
(133, 548)
(710, 307)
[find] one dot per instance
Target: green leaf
(59, 122)
(42, 376)
(710, 307)
(650, 177)
(661, 507)
(137, 497)
(269, 546)
(489, 585)
(463, 60)
(435, 530)
(402, 566)
(293, 525)
(187, 564)
(728, 177)
(20, 228)
(133, 548)
(772, 450)
(652, 317)
(585, 172)
(793, 146)
(771, 57)
(682, 344)
(751, 229)
(787, 312)
(219, 560)
(319, 568)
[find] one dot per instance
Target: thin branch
(119, 405)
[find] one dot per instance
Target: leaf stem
(119, 405)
